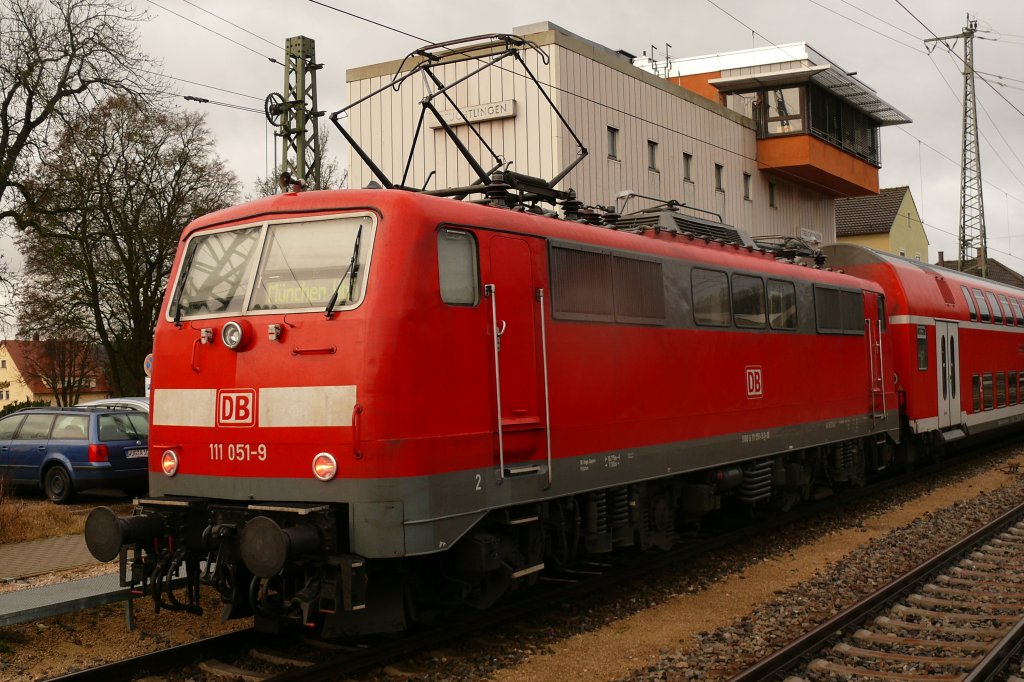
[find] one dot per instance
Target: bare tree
(112, 198)
(56, 57)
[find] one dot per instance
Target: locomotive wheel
(57, 485)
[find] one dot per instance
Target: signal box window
(748, 301)
(983, 312)
(457, 267)
(781, 304)
(970, 303)
(922, 347)
(710, 297)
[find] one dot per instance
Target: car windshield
(115, 427)
(280, 266)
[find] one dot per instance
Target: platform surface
(26, 559)
(32, 604)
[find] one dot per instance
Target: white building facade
(645, 134)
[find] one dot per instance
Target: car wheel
(57, 485)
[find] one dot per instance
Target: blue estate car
(64, 450)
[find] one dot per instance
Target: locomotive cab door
(518, 343)
(947, 363)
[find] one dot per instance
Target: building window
(718, 177)
(3, 364)
(771, 194)
(652, 155)
(687, 167)
(613, 143)
(917, 257)
(903, 252)
(746, 186)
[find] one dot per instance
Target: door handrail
(491, 291)
(544, 361)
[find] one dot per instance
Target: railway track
(958, 616)
(246, 655)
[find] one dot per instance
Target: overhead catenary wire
(231, 23)
(217, 33)
(873, 30)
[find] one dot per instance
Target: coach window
(1011, 387)
(710, 297)
(781, 304)
(997, 315)
(970, 302)
(983, 313)
(1000, 389)
(1007, 313)
(922, 347)
(1017, 313)
(976, 392)
(457, 267)
(987, 392)
(748, 301)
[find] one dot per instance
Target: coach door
(517, 340)
(947, 368)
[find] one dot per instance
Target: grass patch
(6, 648)
(22, 520)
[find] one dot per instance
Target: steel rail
(787, 657)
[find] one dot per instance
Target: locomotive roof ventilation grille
(671, 220)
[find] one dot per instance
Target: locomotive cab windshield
(298, 266)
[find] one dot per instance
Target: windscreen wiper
(351, 270)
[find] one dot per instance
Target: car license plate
(140, 452)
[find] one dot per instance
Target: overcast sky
(901, 73)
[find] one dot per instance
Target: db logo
(236, 407)
(755, 382)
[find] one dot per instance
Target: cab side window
(458, 267)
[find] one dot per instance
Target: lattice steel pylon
(295, 114)
(973, 242)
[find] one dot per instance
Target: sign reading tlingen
(475, 113)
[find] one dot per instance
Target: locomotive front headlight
(325, 466)
(232, 336)
(169, 462)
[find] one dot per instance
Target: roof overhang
(827, 76)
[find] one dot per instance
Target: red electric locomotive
(367, 402)
(371, 404)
